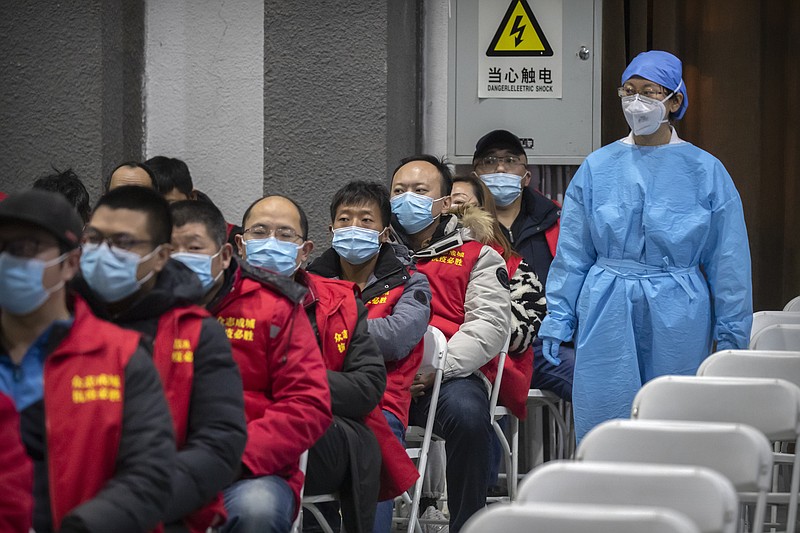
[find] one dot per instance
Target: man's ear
(526, 179)
(304, 252)
(71, 265)
(240, 246)
(162, 256)
(225, 255)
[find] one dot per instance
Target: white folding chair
(433, 360)
(310, 502)
(757, 364)
(562, 430)
(706, 497)
(774, 364)
(739, 452)
(770, 405)
(578, 518)
(781, 337)
(763, 319)
(510, 450)
(793, 305)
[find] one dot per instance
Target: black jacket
(537, 214)
(217, 432)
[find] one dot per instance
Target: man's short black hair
(445, 174)
(303, 217)
(144, 200)
(134, 164)
(70, 185)
(207, 214)
(361, 192)
(171, 173)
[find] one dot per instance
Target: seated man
(286, 396)
(70, 185)
(397, 297)
(471, 305)
(530, 221)
(176, 184)
(129, 279)
(131, 173)
(347, 458)
(94, 420)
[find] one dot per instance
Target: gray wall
(340, 93)
(71, 88)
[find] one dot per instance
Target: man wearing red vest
(127, 277)
(397, 297)
(94, 420)
(287, 402)
(347, 458)
(471, 305)
(530, 221)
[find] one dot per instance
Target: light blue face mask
(21, 286)
(200, 264)
(356, 245)
(413, 211)
(272, 254)
(111, 273)
(505, 187)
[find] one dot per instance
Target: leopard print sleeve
(528, 308)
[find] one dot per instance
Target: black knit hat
(48, 210)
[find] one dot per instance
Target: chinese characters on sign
(519, 49)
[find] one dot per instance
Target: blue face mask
(356, 245)
(504, 187)
(272, 254)
(111, 273)
(200, 264)
(413, 211)
(21, 286)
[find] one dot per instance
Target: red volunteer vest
(177, 338)
(16, 473)
(551, 236)
(448, 275)
(399, 374)
(517, 371)
(84, 390)
(337, 314)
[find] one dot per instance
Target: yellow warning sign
(519, 34)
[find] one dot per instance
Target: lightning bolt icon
(516, 28)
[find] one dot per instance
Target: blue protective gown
(652, 266)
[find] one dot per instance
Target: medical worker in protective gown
(653, 265)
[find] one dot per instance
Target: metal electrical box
(528, 66)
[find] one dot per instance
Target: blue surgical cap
(662, 68)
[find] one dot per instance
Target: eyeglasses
(260, 231)
(25, 247)
(493, 161)
(648, 92)
(118, 240)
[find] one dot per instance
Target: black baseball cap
(48, 210)
(502, 139)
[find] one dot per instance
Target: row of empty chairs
(700, 453)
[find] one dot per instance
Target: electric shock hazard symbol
(520, 49)
(519, 34)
